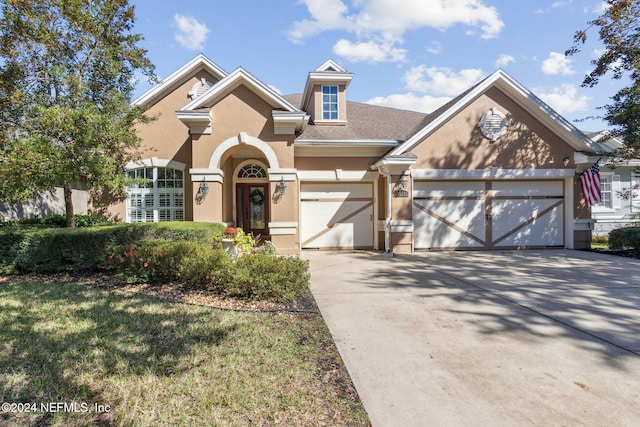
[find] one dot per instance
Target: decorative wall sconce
(565, 160)
(203, 190)
(281, 187)
(401, 187)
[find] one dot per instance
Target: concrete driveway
(549, 338)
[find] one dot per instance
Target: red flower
(145, 265)
(207, 277)
(131, 253)
(230, 231)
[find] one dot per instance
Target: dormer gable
(325, 94)
(287, 119)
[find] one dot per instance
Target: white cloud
(557, 63)
(191, 33)
(441, 81)
(565, 99)
(326, 14)
(390, 19)
(504, 60)
(410, 101)
(435, 48)
(370, 51)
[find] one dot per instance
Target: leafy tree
(67, 70)
(619, 31)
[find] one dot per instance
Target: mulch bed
(627, 253)
(172, 291)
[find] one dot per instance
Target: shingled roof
(366, 122)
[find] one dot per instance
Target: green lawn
(153, 362)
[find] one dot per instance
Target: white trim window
(157, 195)
(606, 186)
(329, 102)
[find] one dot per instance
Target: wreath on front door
(257, 197)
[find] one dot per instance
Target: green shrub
(50, 250)
(59, 221)
(161, 261)
(275, 278)
(155, 253)
(625, 238)
(60, 249)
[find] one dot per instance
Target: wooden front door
(252, 208)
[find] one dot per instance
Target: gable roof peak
(331, 66)
(199, 62)
(518, 93)
(237, 77)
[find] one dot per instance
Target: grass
(154, 362)
(600, 242)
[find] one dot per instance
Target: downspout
(387, 221)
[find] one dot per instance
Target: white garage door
(336, 216)
(488, 214)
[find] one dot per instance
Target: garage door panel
(509, 214)
(335, 191)
(543, 229)
(527, 189)
(337, 216)
(441, 235)
(449, 223)
(444, 189)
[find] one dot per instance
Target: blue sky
(411, 54)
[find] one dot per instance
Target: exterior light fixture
(401, 187)
(204, 189)
(281, 187)
(402, 183)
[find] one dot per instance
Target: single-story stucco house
(494, 168)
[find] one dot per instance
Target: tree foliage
(67, 70)
(619, 30)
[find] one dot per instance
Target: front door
(252, 204)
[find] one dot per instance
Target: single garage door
(336, 216)
(488, 214)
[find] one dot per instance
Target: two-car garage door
(487, 214)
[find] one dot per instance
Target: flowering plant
(244, 243)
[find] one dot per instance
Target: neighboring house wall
(615, 211)
(48, 203)
(619, 207)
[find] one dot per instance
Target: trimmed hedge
(59, 221)
(625, 238)
(51, 250)
(155, 253)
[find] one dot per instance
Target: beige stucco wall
(459, 143)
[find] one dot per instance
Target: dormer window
(329, 102)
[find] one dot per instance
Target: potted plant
(234, 241)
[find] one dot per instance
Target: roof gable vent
(199, 88)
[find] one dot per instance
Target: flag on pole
(590, 181)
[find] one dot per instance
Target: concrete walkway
(508, 338)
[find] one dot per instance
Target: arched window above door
(252, 171)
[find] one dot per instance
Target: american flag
(590, 181)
